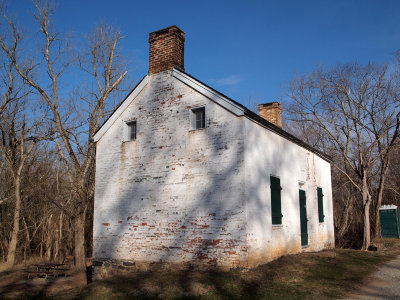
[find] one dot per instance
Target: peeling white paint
(268, 154)
(178, 195)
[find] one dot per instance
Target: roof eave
(278, 130)
(121, 108)
(227, 103)
(234, 107)
(240, 110)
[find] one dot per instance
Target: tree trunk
(343, 227)
(366, 203)
(61, 234)
(14, 235)
(378, 205)
(79, 248)
(49, 240)
(28, 239)
(79, 221)
(41, 243)
(367, 226)
(79, 242)
(3, 251)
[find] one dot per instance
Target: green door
(303, 218)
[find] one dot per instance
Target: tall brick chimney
(271, 112)
(166, 49)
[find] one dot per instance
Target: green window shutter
(276, 201)
(321, 215)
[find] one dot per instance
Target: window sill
(276, 226)
(194, 130)
(123, 142)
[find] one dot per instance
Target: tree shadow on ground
(322, 275)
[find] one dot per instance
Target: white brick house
(185, 174)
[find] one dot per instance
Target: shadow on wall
(184, 202)
(269, 154)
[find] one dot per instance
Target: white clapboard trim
(209, 93)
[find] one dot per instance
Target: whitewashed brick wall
(177, 195)
(266, 154)
(173, 194)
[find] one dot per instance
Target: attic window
(198, 118)
(131, 130)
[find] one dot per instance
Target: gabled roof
(241, 110)
(229, 104)
(234, 107)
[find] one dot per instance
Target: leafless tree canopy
(48, 119)
(352, 113)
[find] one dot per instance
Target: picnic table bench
(48, 270)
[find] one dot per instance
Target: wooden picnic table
(49, 270)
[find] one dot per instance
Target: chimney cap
(166, 49)
(275, 103)
(272, 112)
(172, 29)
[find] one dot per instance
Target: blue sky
(243, 48)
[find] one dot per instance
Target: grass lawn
(323, 275)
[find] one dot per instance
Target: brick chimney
(166, 49)
(271, 112)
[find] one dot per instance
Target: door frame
(303, 218)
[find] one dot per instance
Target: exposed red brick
(271, 112)
(166, 49)
(216, 242)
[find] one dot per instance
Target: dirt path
(383, 284)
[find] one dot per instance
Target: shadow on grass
(322, 275)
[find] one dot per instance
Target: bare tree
(46, 228)
(392, 190)
(74, 136)
(386, 143)
(16, 145)
(355, 107)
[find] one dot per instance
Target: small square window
(198, 118)
(131, 132)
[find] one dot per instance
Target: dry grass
(323, 275)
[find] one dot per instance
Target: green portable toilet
(390, 223)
